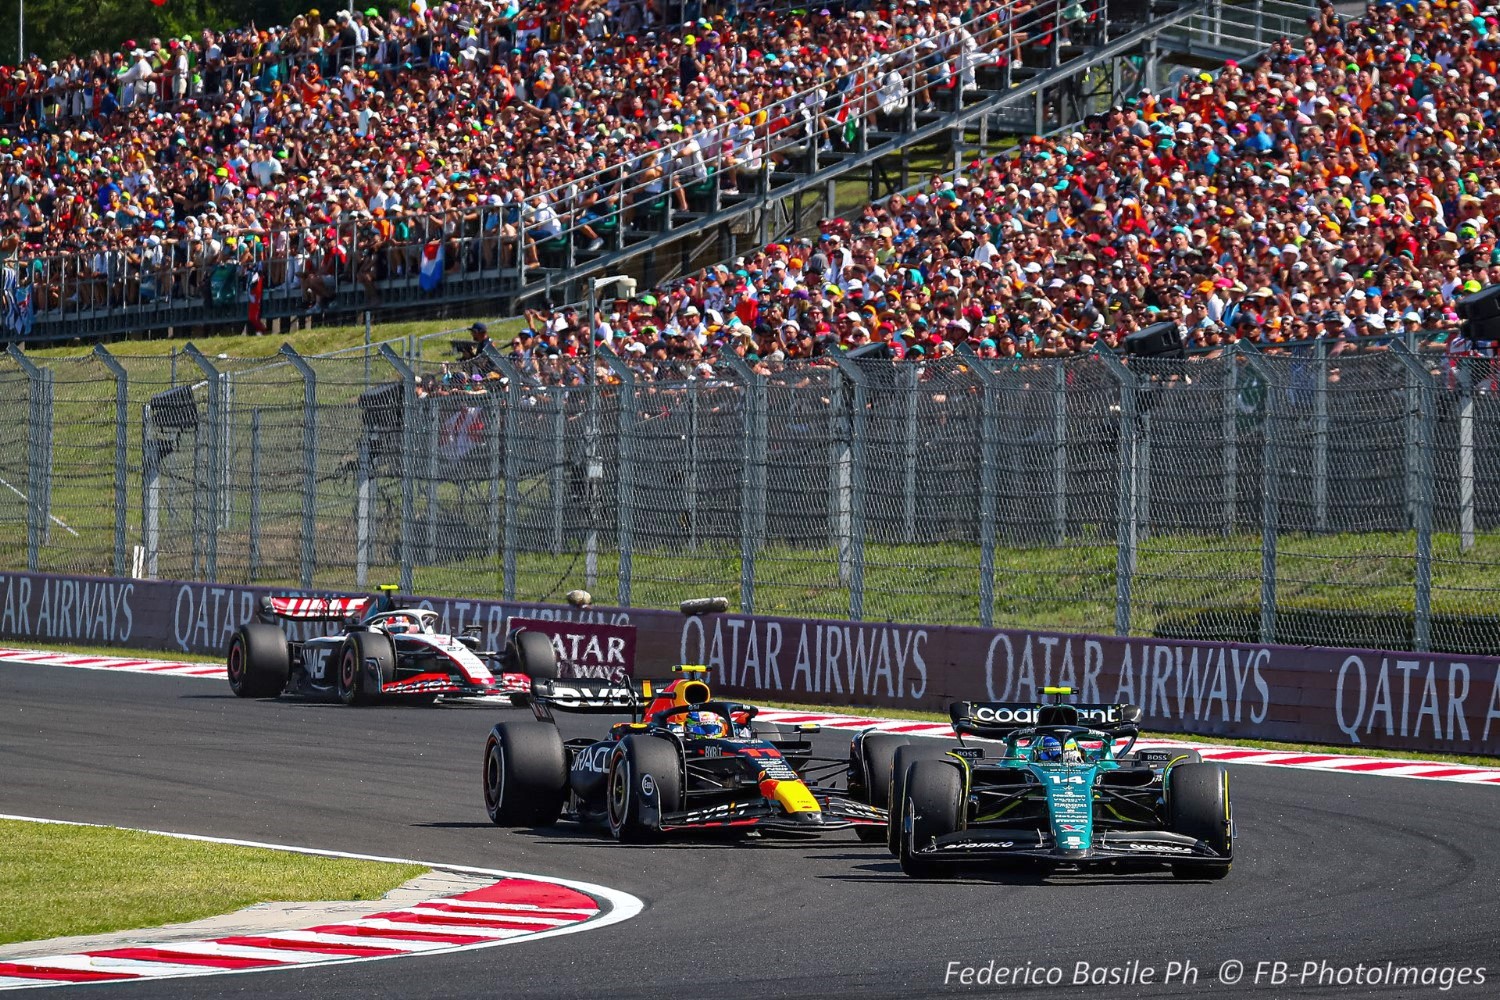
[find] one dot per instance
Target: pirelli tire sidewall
(644, 781)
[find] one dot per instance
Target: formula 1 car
(1059, 793)
(684, 761)
(380, 652)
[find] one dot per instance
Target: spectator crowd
(1346, 187)
(347, 144)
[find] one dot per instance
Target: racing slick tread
(905, 757)
(1198, 807)
(931, 804)
(632, 761)
(258, 661)
(356, 687)
(525, 774)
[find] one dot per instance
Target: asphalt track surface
(1344, 869)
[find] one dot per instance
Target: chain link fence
(1322, 496)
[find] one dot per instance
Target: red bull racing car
(683, 762)
(379, 652)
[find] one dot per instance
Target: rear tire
(258, 661)
(525, 774)
(1198, 807)
(644, 773)
(356, 685)
(905, 757)
(534, 655)
(877, 754)
(932, 807)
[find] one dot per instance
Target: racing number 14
(1066, 779)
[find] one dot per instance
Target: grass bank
(67, 880)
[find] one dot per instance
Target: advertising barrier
(1356, 697)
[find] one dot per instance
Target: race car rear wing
(998, 719)
(313, 609)
(583, 695)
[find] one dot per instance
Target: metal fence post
(1270, 523)
(512, 471)
(559, 476)
(752, 475)
(989, 444)
(214, 473)
(254, 568)
(150, 496)
(838, 472)
(1320, 439)
(309, 461)
(853, 504)
(1231, 441)
(409, 450)
(1465, 458)
(433, 429)
(625, 479)
(38, 444)
(1125, 505)
(363, 512)
(1420, 476)
(122, 465)
(908, 375)
(692, 465)
(1059, 452)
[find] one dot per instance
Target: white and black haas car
(380, 652)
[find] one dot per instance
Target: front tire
(1198, 807)
(356, 684)
(931, 807)
(258, 661)
(525, 774)
(644, 782)
(905, 757)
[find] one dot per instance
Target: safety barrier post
(208, 522)
(309, 461)
(1125, 504)
(1059, 452)
(409, 449)
(122, 465)
(752, 474)
(254, 568)
(38, 455)
(1465, 457)
(1229, 431)
(908, 376)
(1320, 439)
(625, 481)
(989, 474)
(514, 383)
(1421, 437)
(852, 504)
(559, 476)
(1270, 511)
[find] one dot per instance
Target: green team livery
(1063, 789)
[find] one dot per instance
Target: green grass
(68, 880)
(311, 341)
(1360, 751)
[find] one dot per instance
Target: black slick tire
(258, 661)
(645, 778)
(525, 774)
(357, 684)
(1198, 807)
(931, 807)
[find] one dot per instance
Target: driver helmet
(1071, 753)
(1049, 749)
(709, 724)
(399, 624)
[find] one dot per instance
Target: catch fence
(1325, 496)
